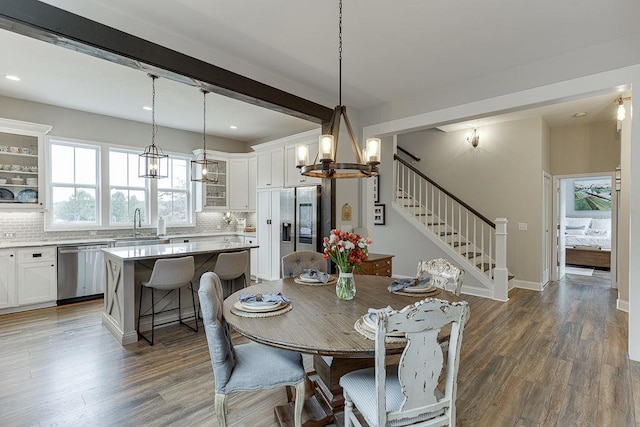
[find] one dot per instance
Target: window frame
(103, 188)
(50, 141)
(188, 191)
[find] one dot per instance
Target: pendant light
(203, 169)
(153, 163)
(325, 164)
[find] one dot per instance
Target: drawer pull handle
(36, 255)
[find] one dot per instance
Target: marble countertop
(131, 253)
(8, 244)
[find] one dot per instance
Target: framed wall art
(378, 214)
(376, 189)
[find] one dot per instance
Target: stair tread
(456, 244)
(472, 254)
(485, 266)
(448, 233)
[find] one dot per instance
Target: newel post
(500, 273)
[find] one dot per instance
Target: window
(128, 192)
(174, 195)
(74, 190)
(92, 185)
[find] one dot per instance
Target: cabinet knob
(11, 255)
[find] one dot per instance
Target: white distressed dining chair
(408, 394)
(245, 367)
(295, 263)
(444, 274)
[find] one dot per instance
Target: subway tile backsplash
(29, 226)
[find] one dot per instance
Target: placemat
(419, 294)
(278, 312)
(331, 281)
(362, 330)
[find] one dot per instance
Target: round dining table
(321, 324)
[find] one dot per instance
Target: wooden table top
(319, 322)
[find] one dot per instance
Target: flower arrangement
(347, 250)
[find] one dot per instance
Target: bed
(588, 242)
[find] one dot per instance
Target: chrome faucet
(139, 215)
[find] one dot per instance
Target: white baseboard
(478, 292)
(622, 305)
(523, 284)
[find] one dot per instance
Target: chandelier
(202, 168)
(325, 164)
(153, 163)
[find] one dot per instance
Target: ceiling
(392, 50)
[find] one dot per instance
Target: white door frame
(555, 267)
(547, 214)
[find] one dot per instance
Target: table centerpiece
(347, 250)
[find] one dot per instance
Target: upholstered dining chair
(444, 274)
(245, 367)
(295, 263)
(408, 394)
(169, 274)
(231, 266)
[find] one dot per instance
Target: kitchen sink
(140, 241)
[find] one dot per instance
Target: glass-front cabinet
(213, 195)
(21, 164)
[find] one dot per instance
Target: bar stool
(170, 274)
(231, 266)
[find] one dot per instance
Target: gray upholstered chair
(169, 274)
(444, 274)
(408, 394)
(231, 266)
(245, 367)
(295, 263)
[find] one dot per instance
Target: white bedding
(603, 241)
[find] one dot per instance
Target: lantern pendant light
(202, 168)
(153, 163)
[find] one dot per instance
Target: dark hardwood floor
(552, 358)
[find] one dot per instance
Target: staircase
(471, 240)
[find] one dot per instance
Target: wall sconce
(474, 137)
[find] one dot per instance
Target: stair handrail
(439, 187)
(413, 156)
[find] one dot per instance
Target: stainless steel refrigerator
(299, 219)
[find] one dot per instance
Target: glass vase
(345, 286)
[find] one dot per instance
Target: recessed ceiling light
(147, 108)
(233, 127)
(14, 78)
(580, 114)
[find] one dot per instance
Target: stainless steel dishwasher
(80, 272)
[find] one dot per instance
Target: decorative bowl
(17, 181)
(16, 167)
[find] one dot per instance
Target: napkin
(400, 284)
(270, 297)
(317, 275)
(387, 309)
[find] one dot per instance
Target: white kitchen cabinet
(293, 177)
(268, 233)
(7, 278)
(21, 165)
(270, 168)
(239, 184)
(37, 275)
(253, 240)
(253, 173)
(213, 195)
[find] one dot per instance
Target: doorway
(585, 223)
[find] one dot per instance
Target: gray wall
(76, 124)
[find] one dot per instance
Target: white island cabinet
(127, 266)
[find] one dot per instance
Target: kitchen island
(125, 267)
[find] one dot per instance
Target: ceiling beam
(44, 22)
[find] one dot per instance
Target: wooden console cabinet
(377, 265)
(588, 257)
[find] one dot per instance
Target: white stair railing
(479, 242)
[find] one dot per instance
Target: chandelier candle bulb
(372, 152)
(302, 155)
(326, 147)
